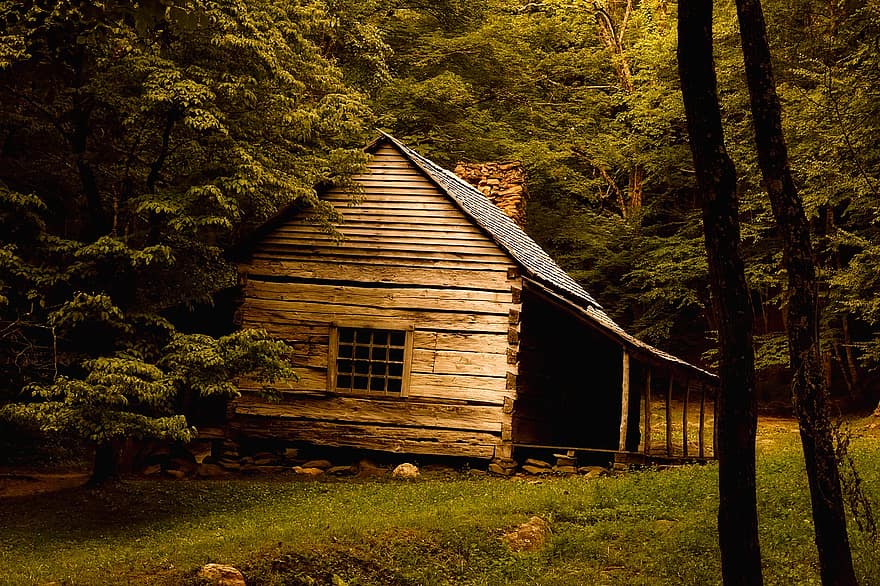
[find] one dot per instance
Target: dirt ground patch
(24, 483)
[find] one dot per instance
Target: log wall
(409, 258)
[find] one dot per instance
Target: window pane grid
(370, 360)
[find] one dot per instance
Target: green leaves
(208, 366)
(85, 309)
(138, 142)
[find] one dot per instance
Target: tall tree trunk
(809, 393)
(106, 466)
(737, 402)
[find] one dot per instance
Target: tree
(809, 394)
(737, 403)
(138, 142)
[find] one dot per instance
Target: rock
(536, 469)
(185, 465)
(200, 450)
(178, 474)
(290, 453)
(221, 575)
(303, 471)
(322, 464)
(366, 469)
(496, 468)
(229, 464)
(341, 470)
(537, 463)
(406, 471)
(438, 469)
(230, 449)
(592, 471)
(265, 461)
(530, 536)
(565, 460)
(211, 471)
(507, 463)
(663, 525)
(152, 470)
(270, 469)
(566, 469)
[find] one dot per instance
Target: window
(370, 360)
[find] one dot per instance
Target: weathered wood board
(409, 256)
(409, 440)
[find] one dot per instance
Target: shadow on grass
(129, 506)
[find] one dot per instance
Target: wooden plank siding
(408, 256)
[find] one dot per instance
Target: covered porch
(587, 390)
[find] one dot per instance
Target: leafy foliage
(138, 143)
(595, 118)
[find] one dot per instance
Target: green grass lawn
(647, 527)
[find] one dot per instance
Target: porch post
(624, 401)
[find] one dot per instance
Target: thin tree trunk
(809, 393)
(855, 390)
(612, 35)
(737, 403)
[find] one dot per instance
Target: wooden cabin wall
(569, 382)
(409, 256)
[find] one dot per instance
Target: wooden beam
(373, 272)
(647, 438)
(702, 420)
(684, 419)
(412, 440)
(624, 402)
(669, 416)
(363, 410)
(515, 323)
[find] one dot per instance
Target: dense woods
(586, 95)
(142, 143)
(138, 144)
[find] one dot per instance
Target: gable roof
(498, 225)
(536, 264)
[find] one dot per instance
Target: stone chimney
(503, 183)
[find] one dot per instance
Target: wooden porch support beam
(684, 419)
(647, 438)
(702, 420)
(669, 416)
(624, 401)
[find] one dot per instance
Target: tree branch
(156, 167)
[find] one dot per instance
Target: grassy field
(646, 527)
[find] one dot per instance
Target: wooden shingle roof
(536, 264)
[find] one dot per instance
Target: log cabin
(436, 325)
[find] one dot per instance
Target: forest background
(140, 142)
